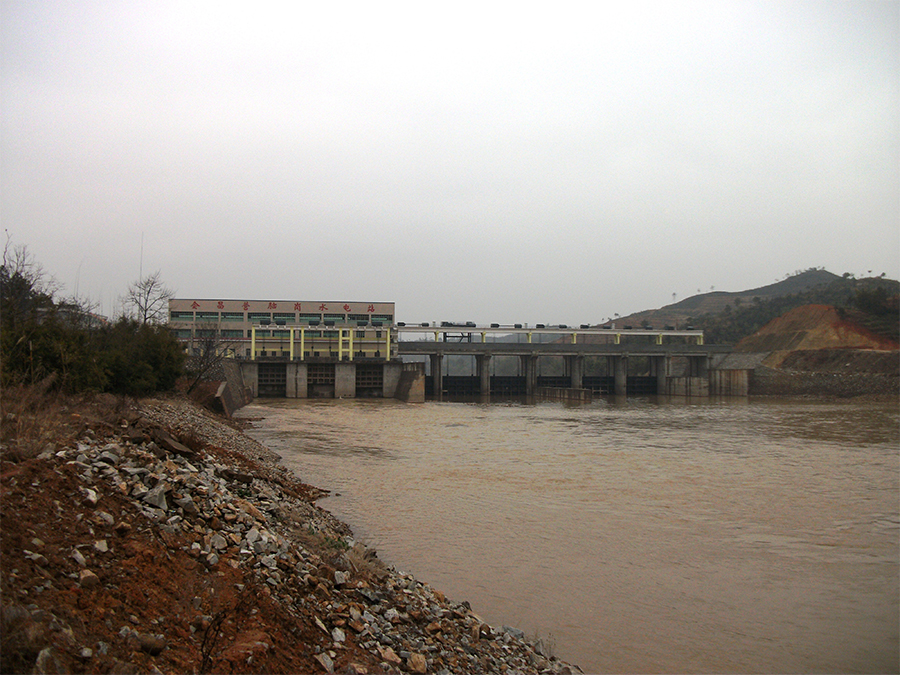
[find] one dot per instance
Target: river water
(633, 536)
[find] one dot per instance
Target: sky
(494, 161)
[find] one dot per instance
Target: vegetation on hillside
(871, 302)
(63, 343)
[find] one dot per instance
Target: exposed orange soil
(813, 327)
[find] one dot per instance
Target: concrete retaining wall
(232, 393)
(411, 383)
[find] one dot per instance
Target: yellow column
(387, 342)
(482, 336)
(351, 344)
(529, 337)
(253, 343)
(618, 338)
(659, 338)
(291, 338)
(302, 345)
(574, 338)
(340, 344)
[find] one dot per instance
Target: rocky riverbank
(159, 538)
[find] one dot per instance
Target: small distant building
(296, 330)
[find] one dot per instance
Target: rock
(187, 505)
(47, 663)
(340, 578)
(105, 517)
(152, 644)
(86, 653)
(78, 558)
(101, 546)
(157, 496)
(167, 442)
(218, 542)
(88, 579)
(236, 476)
(514, 632)
(108, 457)
(417, 663)
(91, 497)
(325, 661)
(338, 635)
(389, 655)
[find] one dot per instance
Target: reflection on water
(640, 536)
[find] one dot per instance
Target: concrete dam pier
(421, 368)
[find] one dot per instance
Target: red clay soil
(43, 512)
(220, 620)
(813, 327)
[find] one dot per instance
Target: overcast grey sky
(490, 161)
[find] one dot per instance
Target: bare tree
(147, 299)
(208, 350)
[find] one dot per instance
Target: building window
(360, 333)
(287, 317)
(183, 334)
(259, 316)
(232, 333)
(357, 317)
(232, 316)
(208, 316)
(387, 318)
(181, 316)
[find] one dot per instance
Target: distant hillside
(729, 317)
(678, 313)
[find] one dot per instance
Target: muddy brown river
(634, 536)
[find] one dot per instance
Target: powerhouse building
(298, 330)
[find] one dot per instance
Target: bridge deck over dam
(423, 347)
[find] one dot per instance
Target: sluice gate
(649, 366)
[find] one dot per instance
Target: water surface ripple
(639, 536)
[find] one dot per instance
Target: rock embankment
(169, 541)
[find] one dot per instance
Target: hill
(729, 317)
(685, 311)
